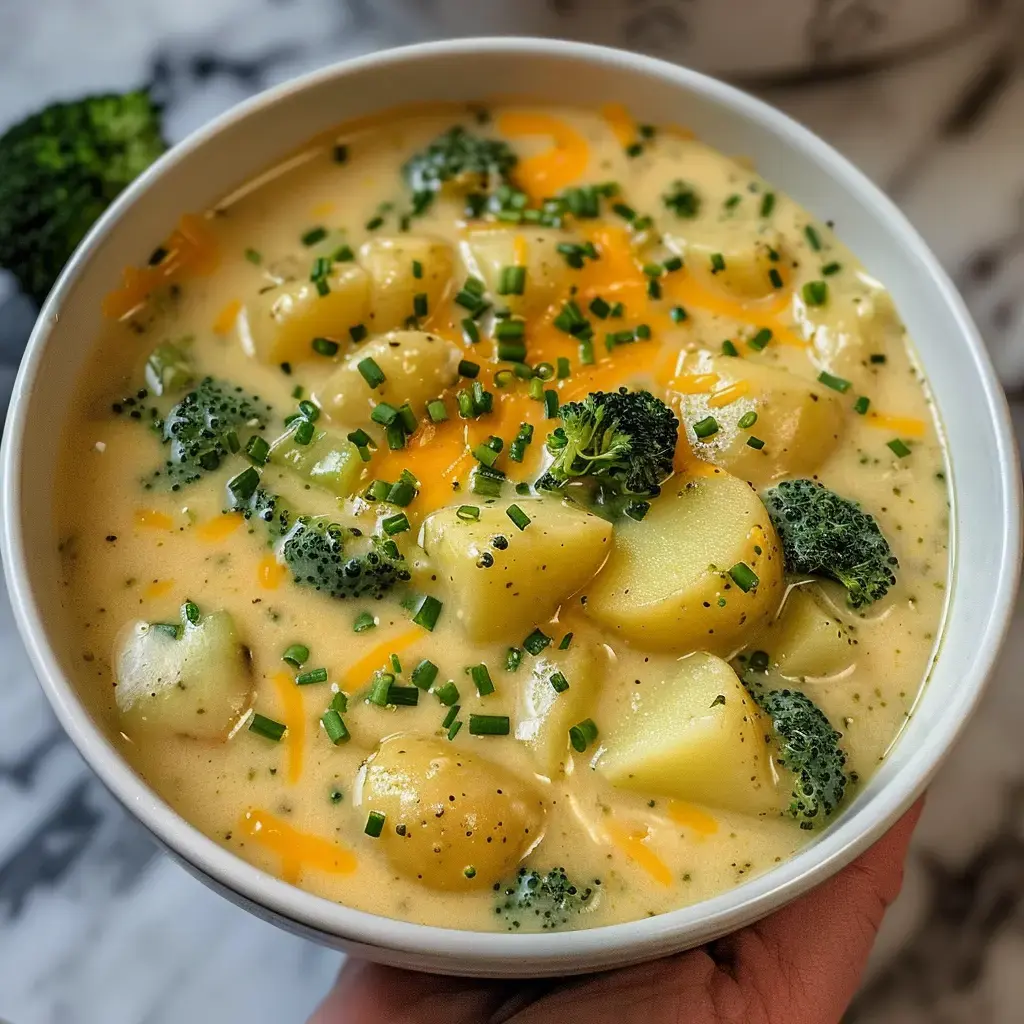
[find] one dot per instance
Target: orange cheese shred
(158, 588)
(728, 395)
(548, 172)
(213, 531)
(633, 843)
(694, 383)
(151, 519)
(226, 318)
(904, 426)
(692, 818)
(297, 850)
(621, 122)
(360, 671)
(270, 573)
(289, 694)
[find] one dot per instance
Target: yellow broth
(134, 550)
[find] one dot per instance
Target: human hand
(801, 965)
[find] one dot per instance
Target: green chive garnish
(304, 432)
(813, 238)
(340, 153)
(374, 824)
(314, 675)
(518, 516)
(512, 281)
(513, 659)
(600, 308)
(424, 674)
(761, 339)
(582, 735)
(898, 448)
(862, 405)
(363, 622)
(258, 450)
(428, 613)
(371, 372)
(437, 411)
(536, 642)
(243, 486)
(717, 262)
(706, 427)
(489, 725)
(755, 442)
(417, 269)
(729, 349)
(744, 577)
(747, 420)
(877, 358)
(833, 382)
(314, 235)
(336, 730)
(447, 694)
(454, 730)
(775, 277)
(253, 256)
(831, 268)
(267, 727)
(325, 347)
(420, 305)
(482, 680)
(453, 713)
(815, 293)
(559, 683)
(296, 655)
(395, 524)
(383, 414)
(767, 204)
(191, 612)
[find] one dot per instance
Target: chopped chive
(321, 268)
(340, 153)
(482, 680)
(374, 223)
(403, 491)
(510, 330)
(232, 442)
(243, 486)
(339, 702)
(371, 372)
(653, 269)
(815, 293)
(706, 427)
(382, 682)
(518, 516)
(767, 204)
(471, 331)
(485, 486)
(489, 725)
(257, 450)
(643, 332)
(395, 524)
(358, 333)
(550, 411)
(755, 442)
(536, 642)
(587, 352)
(453, 713)
(485, 454)
(296, 655)
(717, 262)
(624, 211)
(384, 414)
(428, 613)
(831, 268)
(653, 289)
(512, 281)
(672, 264)
(582, 735)
(862, 405)
(420, 305)
(378, 490)
(437, 411)
(267, 727)
(191, 612)
(813, 238)
(314, 675)
(877, 358)
(335, 727)
(563, 644)
(363, 622)
(417, 269)
(374, 824)
(760, 340)
(424, 674)
(636, 510)
(564, 368)
(309, 409)
(468, 369)
(744, 577)
(733, 201)
(898, 448)
(468, 513)
(343, 254)
(447, 694)
(322, 287)
(314, 235)
(403, 696)
(833, 382)
(599, 308)
(454, 730)
(253, 256)
(558, 682)
(304, 432)
(172, 629)
(775, 277)
(513, 659)
(396, 664)
(677, 314)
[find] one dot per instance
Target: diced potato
(389, 262)
(330, 460)
(452, 820)
(748, 257)
(487, 251)
(545, 715)
(799, 420)
(525, 582)
(282, 322)
(197, 683)
(417, 367)
(807, 640)
(667, 584)
(696, 736)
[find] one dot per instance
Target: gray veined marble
(98, 927)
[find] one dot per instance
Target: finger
(370, 994)
(809, 957)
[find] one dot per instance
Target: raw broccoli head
(624, 441)
(60, 169)
(203, 429)
(539, 901)
(825, 535)
(810, 750)
(457, 156)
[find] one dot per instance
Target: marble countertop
(98, 927)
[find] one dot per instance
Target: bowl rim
(699, 922)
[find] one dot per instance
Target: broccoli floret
(623, 441)
(810, 750)
(825, 535)
(203, 429)
(457, 156)
(326, 556)
(60, 169)
(543, 902)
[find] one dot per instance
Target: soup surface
(381, 581)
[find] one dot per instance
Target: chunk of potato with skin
(544, 715)
(417, 367)
(696, 736)
(666, 585)
(558, 552)
(197, 684)
(394, 284)
(452, 820)
(800, 421)
(330, 461)
(487, 251)
(279, 326)
(806, 641)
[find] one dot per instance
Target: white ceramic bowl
(985, 480)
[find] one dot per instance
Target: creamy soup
(505, 518)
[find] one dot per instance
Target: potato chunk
(501, 596)
(487, 251)
(808, 641)
(197, 683)
(667, 584)
(282, 322)
(799, 420)
(546, 711)
(390, 264)
(452, 820)
(417, 367)
(697, 736)
(330, 460)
